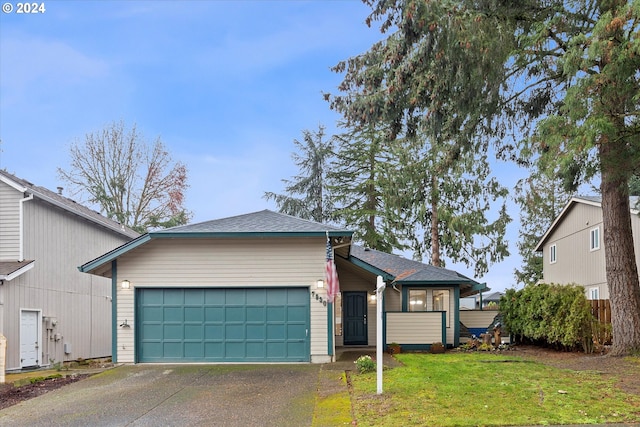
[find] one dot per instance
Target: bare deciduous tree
(133, 182)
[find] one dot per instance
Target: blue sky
(226, 85)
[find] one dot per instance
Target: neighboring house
(49, 311)
(573, 247)
(249, 288)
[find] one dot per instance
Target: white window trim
(593, 247)
(591, 291)
(553, 254)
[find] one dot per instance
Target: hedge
(558, 315)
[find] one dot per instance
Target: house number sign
(319, 298)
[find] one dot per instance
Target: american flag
(331, 275)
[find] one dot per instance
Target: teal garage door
(222, 325)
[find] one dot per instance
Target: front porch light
(125, 284)
(320, 283)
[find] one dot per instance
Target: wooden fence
(601, 310)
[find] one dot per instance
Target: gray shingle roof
(406, 270)
(70, 205)
(265, 221)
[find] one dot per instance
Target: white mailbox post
(380, 285)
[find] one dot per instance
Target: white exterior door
(29, 338)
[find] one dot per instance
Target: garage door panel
(277, 296)
(257, 297)
(149, 312)
(193, 332)
(235, 297)
(193, 297)
(194, 350)
(235, 314)
(173, 296)
(173, 331)
(256, 332)
(256, 314)
(213, 332)
(152, 331)
(276, 314)
(193, 314)
(234, 332)
(234, 325)
(214, 314)
(298, 332)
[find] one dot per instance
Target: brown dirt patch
(625, 369)
(11, 395)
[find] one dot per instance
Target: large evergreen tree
(569, 68)
(360, 177)
(305, 194)
(439, 108)
(541, 199)
(444, 201)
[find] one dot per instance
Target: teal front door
(354, 309)
(222, 325)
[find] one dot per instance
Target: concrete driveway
(178, 395)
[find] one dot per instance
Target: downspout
(21, 219)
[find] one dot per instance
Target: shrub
(365, 364)
(556, 314)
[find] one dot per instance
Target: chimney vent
(60, 190)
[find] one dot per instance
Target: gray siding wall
(80, 303)
(9, 222)
(224, 263)
(576, 262)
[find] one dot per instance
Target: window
(594, 293)
(552, 254)
(417, 300)
(594, 241)
(441, 302)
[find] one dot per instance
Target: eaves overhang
(370, 268)
(11, 270)
(110, 256)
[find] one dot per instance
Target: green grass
(474, 389)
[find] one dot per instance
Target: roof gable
(66, 204)
(260, 224)
(587, 200)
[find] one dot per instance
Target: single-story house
(250, 288)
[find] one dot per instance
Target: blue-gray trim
(444, 329)
(370, 268)
(330, 328)
(456, 325)
(112, 255)
(114, 311)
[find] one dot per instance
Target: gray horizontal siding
(9, 222)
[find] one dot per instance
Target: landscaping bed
(11, 395)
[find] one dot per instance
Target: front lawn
(477, 389)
